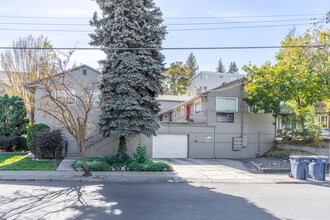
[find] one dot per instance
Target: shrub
(12, 143)
(31, 132)
(13, 115)
(151, 165)
(141, 161)
(141, 155)
(93, 163)
(46, 143)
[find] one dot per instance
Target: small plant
(141, 155)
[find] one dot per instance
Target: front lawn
(20, 162)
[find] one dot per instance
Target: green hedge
(31, 132)
(12, 143)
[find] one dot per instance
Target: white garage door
(170, 146)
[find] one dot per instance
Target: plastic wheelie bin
(318, 167)
(299, 167)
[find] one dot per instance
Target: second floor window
(227, 104)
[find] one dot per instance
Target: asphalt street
(78, 200)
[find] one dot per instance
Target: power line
(252, 16)
(208, 23)
(206, 17)
(187, 29)
(240, 27)
(241, 22)
(164, 48)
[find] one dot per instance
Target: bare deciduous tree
(27, 65)
(69, 100)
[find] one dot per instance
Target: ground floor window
(225, 117)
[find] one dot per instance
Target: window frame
(200, 100)
(225, 111)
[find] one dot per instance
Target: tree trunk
(275, 124)
(83, 159)
(122, 146)
(302, 121)
(32, 117)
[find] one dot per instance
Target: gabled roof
(223, 85)
(173, 98)
(31, 85)
(215, 73)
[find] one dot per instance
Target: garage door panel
(170, 146)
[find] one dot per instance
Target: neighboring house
(205, 81)
(4, 78)
(322, 115)
(82, 74)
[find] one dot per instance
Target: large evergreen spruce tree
(131, 77)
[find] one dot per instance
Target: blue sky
(207, 60)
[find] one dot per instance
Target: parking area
(210, 170)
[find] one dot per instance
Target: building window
(222, 76)
(182, 111)
(198, 106)
(205, 88)
(84, 72)
(225, 117)
(227, 104)
(174, 113)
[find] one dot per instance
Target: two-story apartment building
(213, 124)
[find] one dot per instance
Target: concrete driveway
(210, 170)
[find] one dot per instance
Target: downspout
(242, 111)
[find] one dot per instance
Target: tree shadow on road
(77, 200)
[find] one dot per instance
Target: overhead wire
(161, 48)
(195, 17)
(171, 24)
(179, 29)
